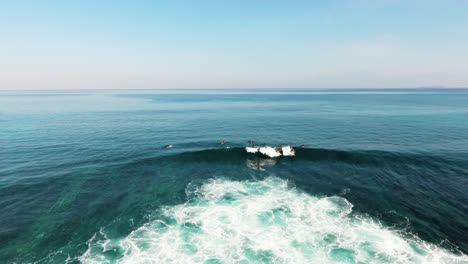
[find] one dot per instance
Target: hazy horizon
(317, 89)
(56, 45)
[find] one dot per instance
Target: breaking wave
(267, 221)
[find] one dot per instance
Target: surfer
(278, 150)
(251, 148)
(222, 142)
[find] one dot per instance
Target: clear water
(85, 176)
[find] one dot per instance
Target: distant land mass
(432, 87)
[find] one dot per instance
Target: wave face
(266, 221)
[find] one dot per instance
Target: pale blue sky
(233, 44)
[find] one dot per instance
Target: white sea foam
(269, 151)
(264, 221)
(288, 151)
(251, 149)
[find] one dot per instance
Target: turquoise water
(85, 176)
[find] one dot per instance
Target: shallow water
(86, 177)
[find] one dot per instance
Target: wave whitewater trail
(263, 221)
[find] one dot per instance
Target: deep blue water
(85, 176)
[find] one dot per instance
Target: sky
(233, 44)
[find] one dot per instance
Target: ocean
(379, 176)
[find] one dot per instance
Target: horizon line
(262, 88)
